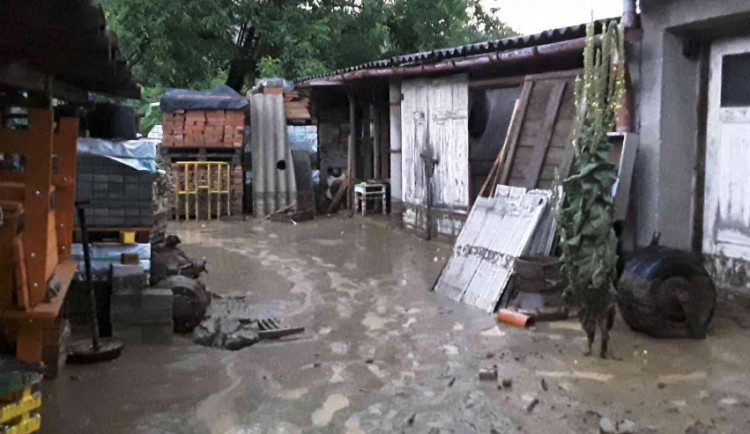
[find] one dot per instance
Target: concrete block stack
(118, 195)
(139, 314)
(203, 128)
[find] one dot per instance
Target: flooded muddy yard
(382, 354)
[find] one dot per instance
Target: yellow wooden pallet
(31, 424)
(16, 417)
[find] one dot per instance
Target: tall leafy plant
(585, 217)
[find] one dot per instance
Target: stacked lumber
(203, 128)
(296, 107)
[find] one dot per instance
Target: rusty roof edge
(495, 45)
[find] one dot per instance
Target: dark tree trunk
(244, 61)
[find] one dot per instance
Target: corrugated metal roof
(505, 44)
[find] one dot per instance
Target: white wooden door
(727, 195)
(434, 116)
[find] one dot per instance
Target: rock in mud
(205, 333)
(699, 428)
(625, 427)
(242, 338)
(606, 427)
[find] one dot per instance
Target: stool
(365, 192)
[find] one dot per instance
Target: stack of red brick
(203, 128)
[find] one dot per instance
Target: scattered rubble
(488, 374)
(532, 404)
(232, 324)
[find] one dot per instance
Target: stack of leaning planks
(203, 128)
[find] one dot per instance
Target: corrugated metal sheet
(497, 231)
(496, 45)
(273, 171)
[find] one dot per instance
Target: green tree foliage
(189, 43)
(585, 221)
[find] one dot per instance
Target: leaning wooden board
(540, 134)
(517, 222)
(498, 230)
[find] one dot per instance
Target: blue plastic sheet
(219, 98)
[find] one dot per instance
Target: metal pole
(89, 284)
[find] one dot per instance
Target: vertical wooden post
(65, 143)
(352, 150)
(229, 189)
(37, 203)
(30, 341)
(376, 156)
(210, 191)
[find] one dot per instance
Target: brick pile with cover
(203, 128)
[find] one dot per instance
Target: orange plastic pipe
(514, 318)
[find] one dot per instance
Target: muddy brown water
(382, 354)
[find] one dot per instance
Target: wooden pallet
(229, 155)
(122, 235)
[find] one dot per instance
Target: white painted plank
(519, 221)
(461, 266)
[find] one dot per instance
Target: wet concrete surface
(383, 354)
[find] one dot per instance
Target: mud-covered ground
(381, 353)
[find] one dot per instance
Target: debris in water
(530, 406)
(232, 324)
(488, 374)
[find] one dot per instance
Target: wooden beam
(37, 203)
(65, 142)
(496, 82)
(22, 77)
(352, 147)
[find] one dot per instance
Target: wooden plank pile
(296, 107)
(203, 128)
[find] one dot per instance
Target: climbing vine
(585, 216)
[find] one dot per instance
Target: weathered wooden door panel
(414, 135)
(435, 122)
(727, 192)
(542, 132)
